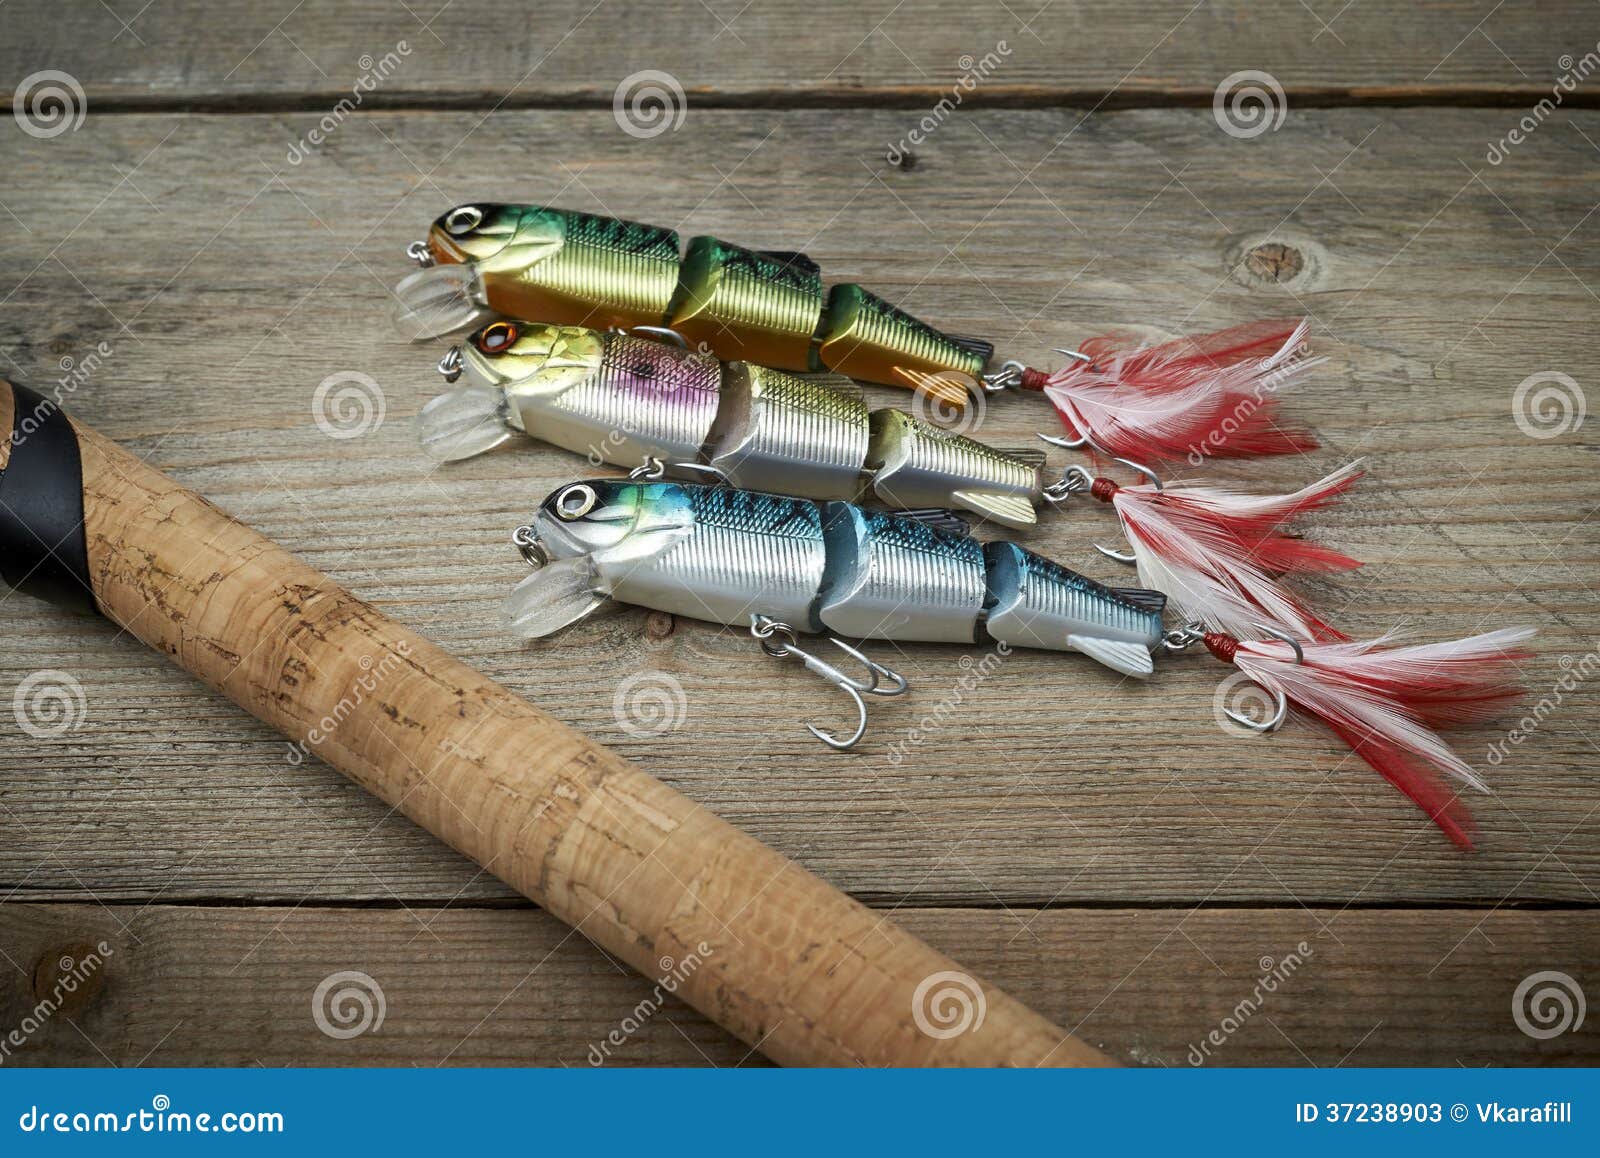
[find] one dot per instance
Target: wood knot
(658, 625)
(70, 976)
(906, 161)
(1268, 261)
(1274, 261)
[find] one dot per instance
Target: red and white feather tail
(1222, 556)
(1385, 702)
(1191, 398)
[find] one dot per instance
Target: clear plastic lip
(439, 300)
(463, 423)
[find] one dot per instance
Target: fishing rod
(792, 966)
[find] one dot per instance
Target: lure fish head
(524, 358)
(615, 518)
(473, 232)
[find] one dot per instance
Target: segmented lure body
(727, 555)
(621, 399)
(558, 266)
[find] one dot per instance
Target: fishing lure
(626, 400)
(622, 399)
(1213, 396)
(783, 566)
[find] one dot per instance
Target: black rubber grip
(42, 547)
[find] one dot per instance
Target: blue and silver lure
(781, 565)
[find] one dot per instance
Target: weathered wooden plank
(209, 986)
(229, 284)
(188, 53)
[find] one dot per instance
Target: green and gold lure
(569, 268)
(1190, 398)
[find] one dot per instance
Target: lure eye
(498, 338)
(575, 502)
(463, 219)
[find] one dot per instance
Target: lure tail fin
(1194, 398)
(437, 300)
(464, 423)
(1385, 702)
(1131, 659)
(1222, 556)
(555, 596)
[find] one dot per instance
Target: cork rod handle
(789, 964)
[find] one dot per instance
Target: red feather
(1193, 398)
(1220, 555)
(1385, 702)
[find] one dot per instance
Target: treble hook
(1282, 712)
(764, 628)
(1075, 480)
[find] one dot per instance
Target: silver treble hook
(1075, 480)
(1282, 712)
(777, 639)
